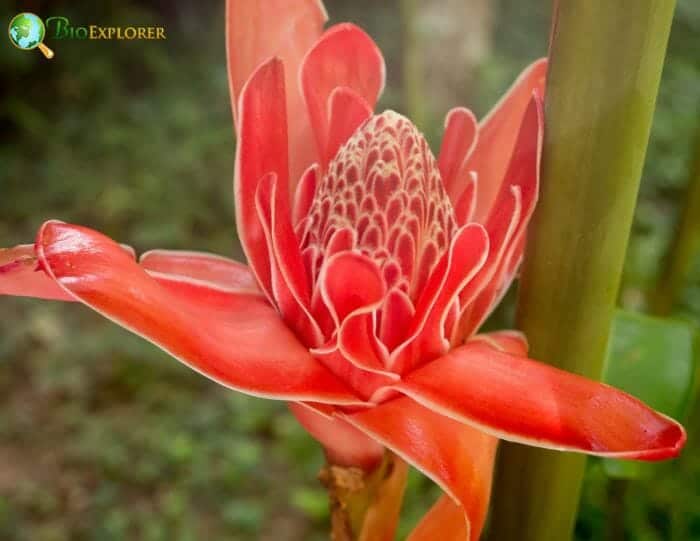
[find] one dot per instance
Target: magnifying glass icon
(27, 32)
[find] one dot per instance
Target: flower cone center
(382, 194)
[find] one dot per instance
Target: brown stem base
(365, 505)
(343, 485)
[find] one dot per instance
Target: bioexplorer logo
(27, 31)
(61, 28)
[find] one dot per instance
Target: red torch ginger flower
(372, 265)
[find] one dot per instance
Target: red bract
(371, 267)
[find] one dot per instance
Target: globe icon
(27, 32)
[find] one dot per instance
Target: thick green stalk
(605, 65)
(684, 245)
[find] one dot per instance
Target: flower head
(372, 265)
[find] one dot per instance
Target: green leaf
(313, 502)
(653, 359)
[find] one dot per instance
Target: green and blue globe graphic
(26, 30)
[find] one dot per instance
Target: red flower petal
(513, 342)
(497, 136)
(457, 144)
(364, 383)
(353, 309)
(346, 268)
(521, 400)
(358, 342)
(262, 149)
(465, 205)
(345, 56)
(506, 243)
(457, 457)
(396, 316)
(348, 111)
(21, 276)
(445, 521)
(214, 270)
(304, 198)
(344, 444)
(235, 339)
(290, 283)
(459, 266)
(257, 30)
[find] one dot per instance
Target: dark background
(104, 437)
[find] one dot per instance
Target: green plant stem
(605, 66)
(685, 243)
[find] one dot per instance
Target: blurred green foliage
(104, 437)
(637, 345)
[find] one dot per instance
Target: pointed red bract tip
(525, 401)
